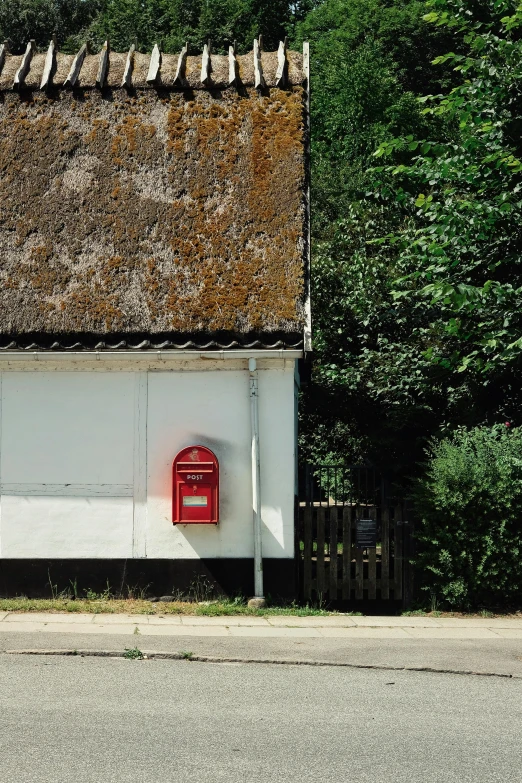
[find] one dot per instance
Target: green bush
(470, 505)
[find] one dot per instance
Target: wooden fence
(334, 566)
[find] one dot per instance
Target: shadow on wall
(234, 533)
(195, 579)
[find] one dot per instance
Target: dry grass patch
(139, 606)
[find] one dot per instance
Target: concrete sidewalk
(464, 646)
(277, 626)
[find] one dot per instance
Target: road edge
(151, 655)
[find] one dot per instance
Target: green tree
(224, 21)
(417, 281)
(460, 254)
(168, 22)
(337, 26)
(124, 22)
(22, 20)
(369, 59)
(174, 22)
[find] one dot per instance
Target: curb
(196, 658)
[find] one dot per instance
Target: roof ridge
(133, 69)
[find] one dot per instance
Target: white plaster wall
(62, 527)
(86, 459)
(277, 443)
(66, 464)
(67, 427)
(213, 410)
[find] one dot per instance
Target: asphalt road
(95, 720)
(500, 656)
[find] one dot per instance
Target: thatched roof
(168, 211)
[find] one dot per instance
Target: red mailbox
(195, 487)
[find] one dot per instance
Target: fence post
(409, 571)
(347, 551)
(333, 553)
(385, 553)
(397, 554)
(359, 563)
(307, 554)
(372, 568)
(320, 581)
(298, 559)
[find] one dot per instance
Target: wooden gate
(338, 561)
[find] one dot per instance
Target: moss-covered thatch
(155, 211)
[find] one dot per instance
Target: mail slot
(195, 487)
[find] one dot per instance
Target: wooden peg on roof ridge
(259, 79)
(260, 39)
(104, 65)
(154, 65)
(182, 67)
(233, 67)
(19, 79)
(76, 66)
(4, 49)
(282, 66)
(206, 66)
(306, 63)
(50, 62)
(129, 65)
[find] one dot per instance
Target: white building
(153, 244)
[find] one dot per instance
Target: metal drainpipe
(256, 478)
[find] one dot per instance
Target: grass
(220, 608)
(200, 599)
(133, 654)
(483, 613)
(223, 607)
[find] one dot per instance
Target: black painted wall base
(202, 578)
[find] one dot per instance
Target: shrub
(470, 504)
